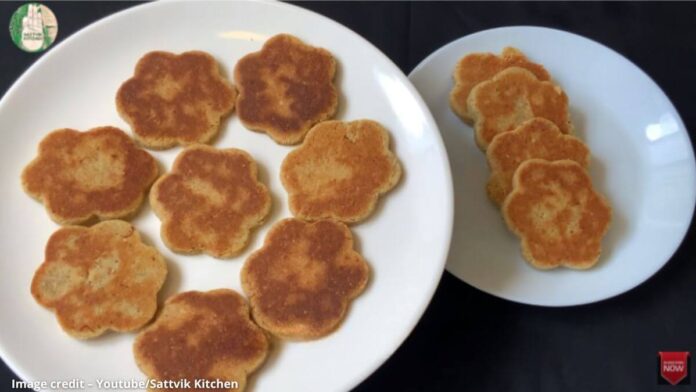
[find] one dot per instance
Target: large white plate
(405, 241)
(642, 161)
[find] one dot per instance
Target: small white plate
(74, 85)
(642, 161)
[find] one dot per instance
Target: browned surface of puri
(340, 171)
(78, 175)
(175, 99)
(557, 213)
(535, 138)
(301, 281)
(99, 278)
(210, 201)
(512, 97)
(202, 335)
(286, 88)
(475, 68)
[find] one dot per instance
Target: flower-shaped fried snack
(340, 171)
(204, 338)
(286, 88)
(79, 175)
(512, 97)
(99, 278)
(210, 201)
(301, 281)
(536, 138)
(475, 68)
(557, 214)
(175, 99)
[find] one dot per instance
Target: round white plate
(405, 241)
(642, 161)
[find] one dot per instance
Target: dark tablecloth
(469, 340)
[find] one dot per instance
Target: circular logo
(33, 27)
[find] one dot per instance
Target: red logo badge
(674, 366)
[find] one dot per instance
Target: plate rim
(443, 160)
(692, 158)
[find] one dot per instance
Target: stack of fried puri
(538, 169)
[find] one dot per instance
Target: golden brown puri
(302, 280)
(512, 97)
(79, 175)
(535, 138)
(558, 215)
(340, 171)
(210, 201)
(202, 336)
(99, 278)
(475, 68)
(175, 99)
(286, 88)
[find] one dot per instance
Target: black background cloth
(469, 340)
